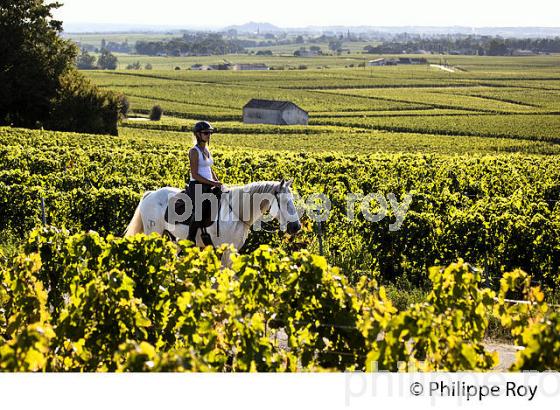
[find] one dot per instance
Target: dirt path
(506, 354)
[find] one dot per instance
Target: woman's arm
(193, 158)
(215, 176)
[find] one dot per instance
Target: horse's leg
(226, 259)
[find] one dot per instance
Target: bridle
(276, 195)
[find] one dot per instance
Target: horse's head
(284, 209)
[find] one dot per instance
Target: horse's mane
(259, 187)
(237, 191)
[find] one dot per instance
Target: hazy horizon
(297, 14)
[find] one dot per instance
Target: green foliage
(107, 61)
(40, 84)
(85, 61)
(34, 58)
(23, 295)
(156, 113)
(28, 351)
(79, 106)
(134, 66)
(25, 329)
(194, 43)
(99, 316)
(90, 303)
(124, 106)
(497, 211)
(542, 346)
(443, 334)
(533, 324)
(143, 357)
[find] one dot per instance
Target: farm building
(200, 67)
(377, 61)
(382, 61)
(406, 60)
(523, 53)
(303, 52)
(257, 66)
(274, 112)
(219, 67)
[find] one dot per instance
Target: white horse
(241, 207)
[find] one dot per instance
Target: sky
(302, 13)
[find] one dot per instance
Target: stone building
(274, 112)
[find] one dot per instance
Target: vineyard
(476, 207)
(477, 150)
(85, 303)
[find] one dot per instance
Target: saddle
(179, 208)
(206, 213)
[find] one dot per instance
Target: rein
(276, 195)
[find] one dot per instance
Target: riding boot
(192, 233)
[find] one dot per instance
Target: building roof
(251, 65)
(270, 104)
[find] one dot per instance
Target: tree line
(193, 44)
(106, 61)
(475, 45)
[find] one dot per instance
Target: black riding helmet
(203, 126)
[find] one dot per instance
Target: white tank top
(204, 165)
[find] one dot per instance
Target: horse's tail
(136, 225)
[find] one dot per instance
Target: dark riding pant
(206, 210)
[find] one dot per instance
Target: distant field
(402, 107)
(334, 139)
(284, 60)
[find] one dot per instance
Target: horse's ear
(282, 184)
(289, 182)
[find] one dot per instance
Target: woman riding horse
(201, 174)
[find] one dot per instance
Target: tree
(124, 105)
(315, 49)
(300, 52)
(85, 61)
(156, 113)
(335, 45)
(32, 60)
(39, 82)
(81, 107)
(497, 48)
(107, 61)
(134, 66)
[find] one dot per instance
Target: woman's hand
(217, 184)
